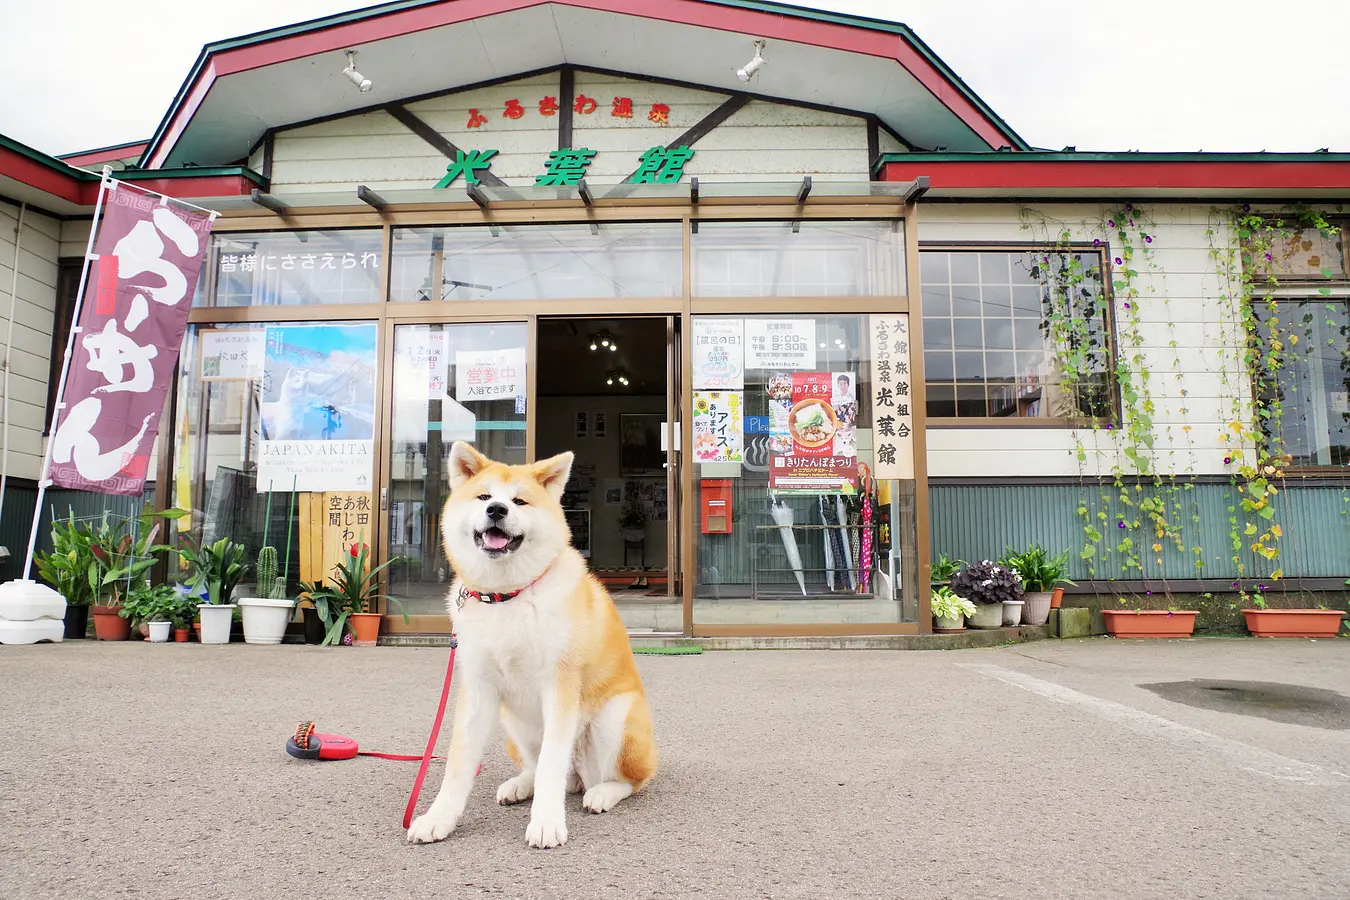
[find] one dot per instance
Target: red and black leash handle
(307, 743)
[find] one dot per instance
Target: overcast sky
(1129, 75)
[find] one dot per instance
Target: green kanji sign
(468, 165)
(564, 167)
(662, 165)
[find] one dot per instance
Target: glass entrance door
(452, 382)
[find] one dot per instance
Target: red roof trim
(94, 157)
(44, 178)
(685, 12)
(181, 188)
(1106, 175)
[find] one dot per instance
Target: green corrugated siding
(979, 521)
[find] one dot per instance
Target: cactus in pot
(269, 585)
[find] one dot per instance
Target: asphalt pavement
(1095, 768)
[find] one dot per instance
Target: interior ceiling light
(356, 78)
(747, 72)
(604, 339)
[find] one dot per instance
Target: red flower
(357, 548)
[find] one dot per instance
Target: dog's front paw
(516, 790)
(546, 832)
(430, 827)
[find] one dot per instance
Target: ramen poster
(813, 418)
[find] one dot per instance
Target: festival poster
(318, 408)
(718, 426)
(821, 456)
(718, 354)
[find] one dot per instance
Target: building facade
(807, 326)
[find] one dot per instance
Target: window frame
(1103, 253)
(1298, 292)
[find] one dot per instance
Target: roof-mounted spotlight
(744, 74)
(355, 77)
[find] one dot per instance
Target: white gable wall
(1182, 287)
(762, 141)
(39, 246)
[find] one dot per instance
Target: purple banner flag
(137, 299)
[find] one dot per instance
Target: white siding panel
(32, 310)
(75, 237)
(1181, 298)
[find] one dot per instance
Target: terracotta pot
(109, 626)
(1057, 598)
(144, 629)
(1150, 623)
(365, 628)
(180, 635)
(197, 631)
(1304, 623)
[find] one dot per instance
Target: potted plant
(1150, 623)
(150, 608)
(73, 571)
(266, 614)
(1040, 573)
(949, 611)
(943, 568)
(988, 585)
(183, 611)
(217, 568)
(354, 592)
(633, 520)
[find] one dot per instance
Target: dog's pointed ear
(553, 473)
(465, 463)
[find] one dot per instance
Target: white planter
(33, 632)
(987, 615)
(956, 623)
(216, 622)
(1037, 609)
(1012, 612)
(29, 601)
(159, 632)
(265, 620)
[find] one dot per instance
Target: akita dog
(540, 643)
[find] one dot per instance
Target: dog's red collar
(465, 592)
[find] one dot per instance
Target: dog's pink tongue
(495, 540)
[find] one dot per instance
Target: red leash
(431, 741)
(307, 743)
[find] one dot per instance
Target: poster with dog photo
(318, 408)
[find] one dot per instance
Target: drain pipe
(5, 366)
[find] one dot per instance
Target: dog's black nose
(497, 511)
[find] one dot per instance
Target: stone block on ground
(1075, 622)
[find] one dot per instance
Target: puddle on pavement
(1291, 704)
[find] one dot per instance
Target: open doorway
(604, 388)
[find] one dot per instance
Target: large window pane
(295, 268)
(809, 258)
(774, 547)
(537, 262)
(451, 383)
(1013, 318)
(1311, 386)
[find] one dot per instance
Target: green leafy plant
(1039, 570)
(946, 605)
(71, 568)
(218, 567)
(355, 588)
(943, 568)
(150, 603)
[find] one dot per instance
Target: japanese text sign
(892, 403)
(719, 353)
(816, 424)
(718, 426)
(489, 374)
(148, 256)
(780, 344)
(232, 354)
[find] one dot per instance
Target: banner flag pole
(45, 478)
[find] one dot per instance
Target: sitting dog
(540, 643)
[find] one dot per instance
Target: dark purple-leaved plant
(987, 582)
